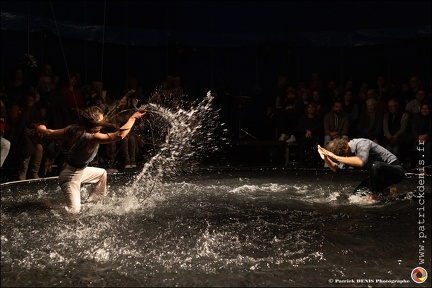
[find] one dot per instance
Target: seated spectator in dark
(350, 106)
(413, 106)
(58, 114)
(381, 105)
(29, 145)
(403, 95)
(112, 100)
(98, 101)
(315, 83)
(16, 90)
(12, 127)
(362, 95)
(395, 124)
(321, 106)
(134, 84)
(336, 123)
(72, 94)
(370, 122)
(384, 90)
(128, 146)
(421, 132)
(305, 99)
(5, 143)
(95, 89)
(309, 132)
(329, 92)
(414, 85)
(288, 111)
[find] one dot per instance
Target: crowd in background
(26, 103)
(394, 115)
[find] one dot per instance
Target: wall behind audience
(229, 71)
(233, 69)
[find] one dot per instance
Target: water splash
(184, 135)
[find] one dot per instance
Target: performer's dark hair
(337, 146)
(89, 118)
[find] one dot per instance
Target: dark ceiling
(223, 23)
(233, 16)
(179, 36)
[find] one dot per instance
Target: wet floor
(216, 228)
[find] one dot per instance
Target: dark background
(232, 47)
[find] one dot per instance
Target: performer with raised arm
(85, 138)
(383, 166)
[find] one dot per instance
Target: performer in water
(383, 166)
(85, 138)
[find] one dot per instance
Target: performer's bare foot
(393, 192)
(47, 204)
(96, 197)
(388, 192)
(51, 204)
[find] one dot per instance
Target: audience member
(301, 87)
(336, 123)
(288, 112)
(350, 106)
(349, 86)
(370, 113)
(29, 145)
(133, 84)
(381, 105)
(111, 99)
(16, 90)
(96, 89)
(315, 82)
(11, 129)
(370, 122)
(73, 96)
(384, 90)
(414, 84)
(277, 94)
(308, 134)
(337, 95)
(98, 101)
(57, 111)
(421, 132)
(128, 146)
(413, 106)
(321, 106)
(177, 89)
(5, 143)
(58, 114)
(47, 70)
(403, 96)
(331, 92)
(304, 99)
(362, 95)
(395, 125)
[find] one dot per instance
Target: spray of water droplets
(182, 136)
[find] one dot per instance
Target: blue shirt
(369, 152)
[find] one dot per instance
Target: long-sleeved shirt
(392, 126)
(333, 122)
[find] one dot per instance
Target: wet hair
(338, 146)
(90, 118)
